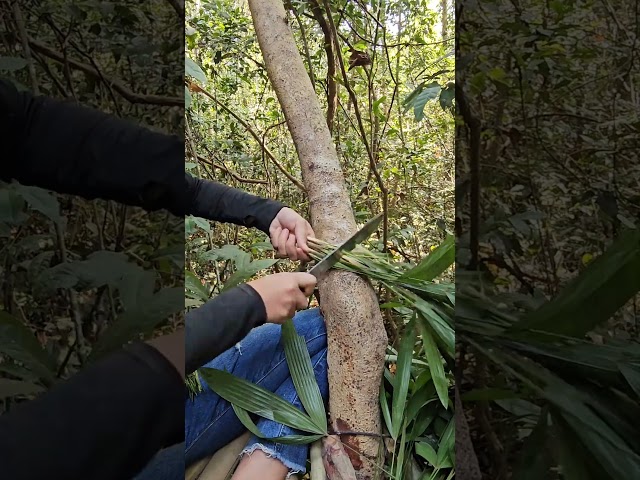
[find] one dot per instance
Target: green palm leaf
(299, 362)
(258, 400)
(245, 419)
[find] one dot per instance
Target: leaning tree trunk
(356, 334)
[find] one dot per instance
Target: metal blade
(334, 257)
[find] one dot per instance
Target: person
(111, 418)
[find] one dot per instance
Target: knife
(334, 257)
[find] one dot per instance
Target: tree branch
(115, 84)
(253, 133)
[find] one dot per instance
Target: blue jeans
(210, 422)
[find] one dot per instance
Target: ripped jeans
(210, 422)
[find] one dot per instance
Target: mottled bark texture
(357, 338)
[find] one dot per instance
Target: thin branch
(115, 84)
(235, 175)
(305, 45)
(330, 42)
(253, 133)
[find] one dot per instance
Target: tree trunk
(356, 334)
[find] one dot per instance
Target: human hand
(284, 293)
(288, 233)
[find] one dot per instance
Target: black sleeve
(104, 423)
(226, 204)
(67, 148)
(220, 323)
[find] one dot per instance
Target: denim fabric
(210, 422)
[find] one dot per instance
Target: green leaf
(18, 343)
(194, 70)
(535, 460)
(11, 207)
(447, 95)
(193, 285)
(408, 102)
(435, 263)
(257, 400)
(299, 362)
(384, 406)
(188, 99)
(427, 452)
(40, 200)
(402, 377)
(175, 253)
(632, 375)
(100, 268)
(423, 396)
(438, 325)
(593, 297)
(229, 252)
(13, 388)
(574, 459)
(12, 64)
(430, 92)
(141, 320)
(446, 444)
(435, 365)
(245, 419)
(248, 271)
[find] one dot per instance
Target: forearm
(221, 323)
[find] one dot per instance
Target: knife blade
(334, 257)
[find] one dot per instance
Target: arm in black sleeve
(226, 204)
(67, 148)
(106, 422)
(220, 323)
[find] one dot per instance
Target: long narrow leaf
(595, 295)
(299, 362)
(257, 400)
(435, 263)
(245, 419)
(435, 365)
(384, 406)
(403, 375)
(632, 375)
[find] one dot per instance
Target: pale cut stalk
(317, 466)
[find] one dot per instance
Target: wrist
(259, 303)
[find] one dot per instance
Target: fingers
(310, 232)
(274, 234)
(302, 234)
(306, 282)
(290, 247)
(281, 243)
(302, 301)
(303, 231)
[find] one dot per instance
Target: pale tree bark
(356, 334)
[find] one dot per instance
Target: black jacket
(108, 420)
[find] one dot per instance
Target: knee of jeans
(310, 324)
